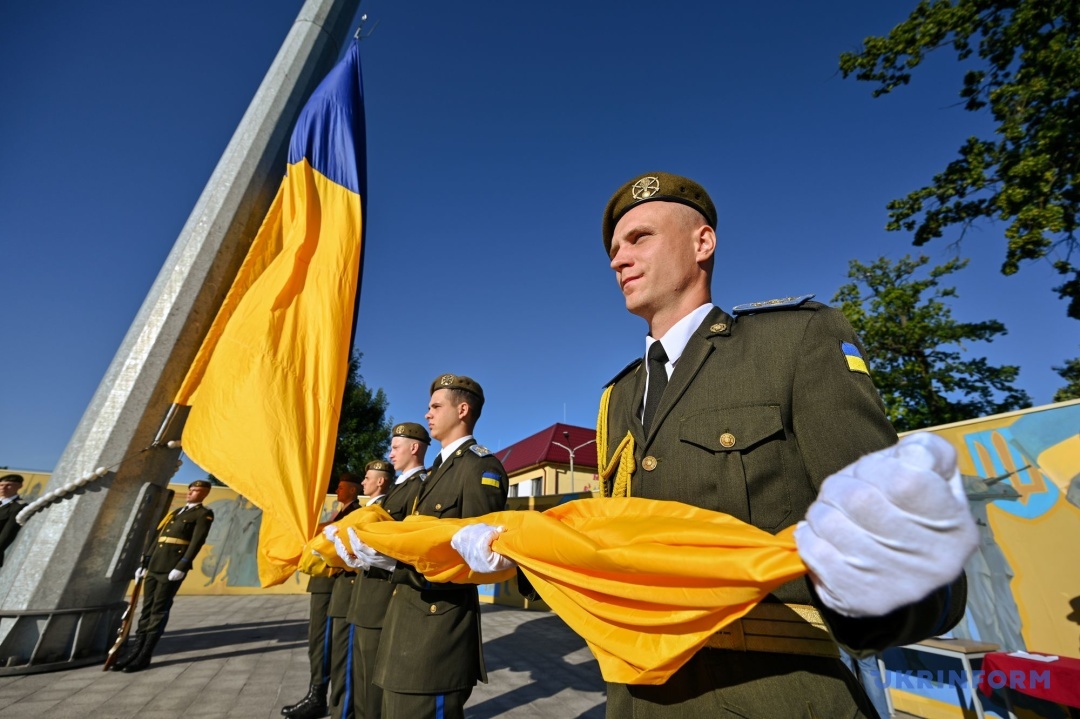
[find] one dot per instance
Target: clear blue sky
(496, 133)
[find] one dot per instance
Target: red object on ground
(1057, 681)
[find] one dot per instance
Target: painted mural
(1022, 476)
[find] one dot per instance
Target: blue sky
(496, 133)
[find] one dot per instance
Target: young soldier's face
(196, 495)
(442, 414)
(654, 257)
(400, 451)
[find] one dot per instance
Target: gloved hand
(368, 556)
(176, 575)
(139, 573)
(473, 543)
(350, 560)
(889, 529)
(330, 531)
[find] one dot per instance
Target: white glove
(473, 543)
(889, 529)
(176, 575)
(330, 531)
(368, 556)
(346, 556)
(139, 573)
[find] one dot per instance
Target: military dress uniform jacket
(179, 540)
(371, 595)
(759, 411)
(9, 528)
(431, 635)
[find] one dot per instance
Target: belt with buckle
(173, 540)
(780, 628)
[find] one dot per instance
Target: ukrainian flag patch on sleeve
(491, 479)
(855, 361)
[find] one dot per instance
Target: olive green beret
(457, 381)
(656, 186)
(380, 465)
(411, 430)
(200, 483)
(13, 478)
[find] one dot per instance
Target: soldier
(10, 506)
(320, 622)
(349, 487)
(165, 563)
(371, 595)
(748, 414)
(430, 654)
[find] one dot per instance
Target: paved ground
(246, 656)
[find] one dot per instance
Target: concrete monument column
(63, 581)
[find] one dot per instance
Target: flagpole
(63, 581)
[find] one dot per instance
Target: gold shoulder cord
(622, 459)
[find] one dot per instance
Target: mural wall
(1022, 475)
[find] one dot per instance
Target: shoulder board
(209, 514)
(784, 303)
(625, 371)
(480, 450)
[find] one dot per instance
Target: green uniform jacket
(759, 411)
(431, 635)
(191, 525)
(371, 595)
(8, 526)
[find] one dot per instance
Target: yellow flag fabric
(265, 389)
(320, 558)
(644, 582)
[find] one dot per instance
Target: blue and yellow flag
(265, 389)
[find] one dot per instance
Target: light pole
(566, 436)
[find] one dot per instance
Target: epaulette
(783, 303)
(480, 450)
(625, 370)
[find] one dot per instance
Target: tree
(915, 346)
(364, 429)
(1071, 374)
(1027, 73)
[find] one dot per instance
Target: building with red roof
(541, 464)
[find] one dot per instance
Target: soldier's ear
(704, 243)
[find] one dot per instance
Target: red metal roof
(539, 448)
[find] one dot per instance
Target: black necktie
(436, 463)
(657, 358)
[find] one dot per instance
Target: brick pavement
(246, 656)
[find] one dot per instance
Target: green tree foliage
(1071, 374)
(364, 428)
(1022, 61)
(915, 345)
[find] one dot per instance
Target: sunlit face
(401, 452)
(9, 489)
(347, 492)
(443, 415)
(374, 483)
(655, 256)
(195, 495)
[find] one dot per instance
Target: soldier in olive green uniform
(747, 414)
(768, 415)
(10, 506)
(165, 563)
(371, 595)
(320, 625)
(341, 639)
(430, 655)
